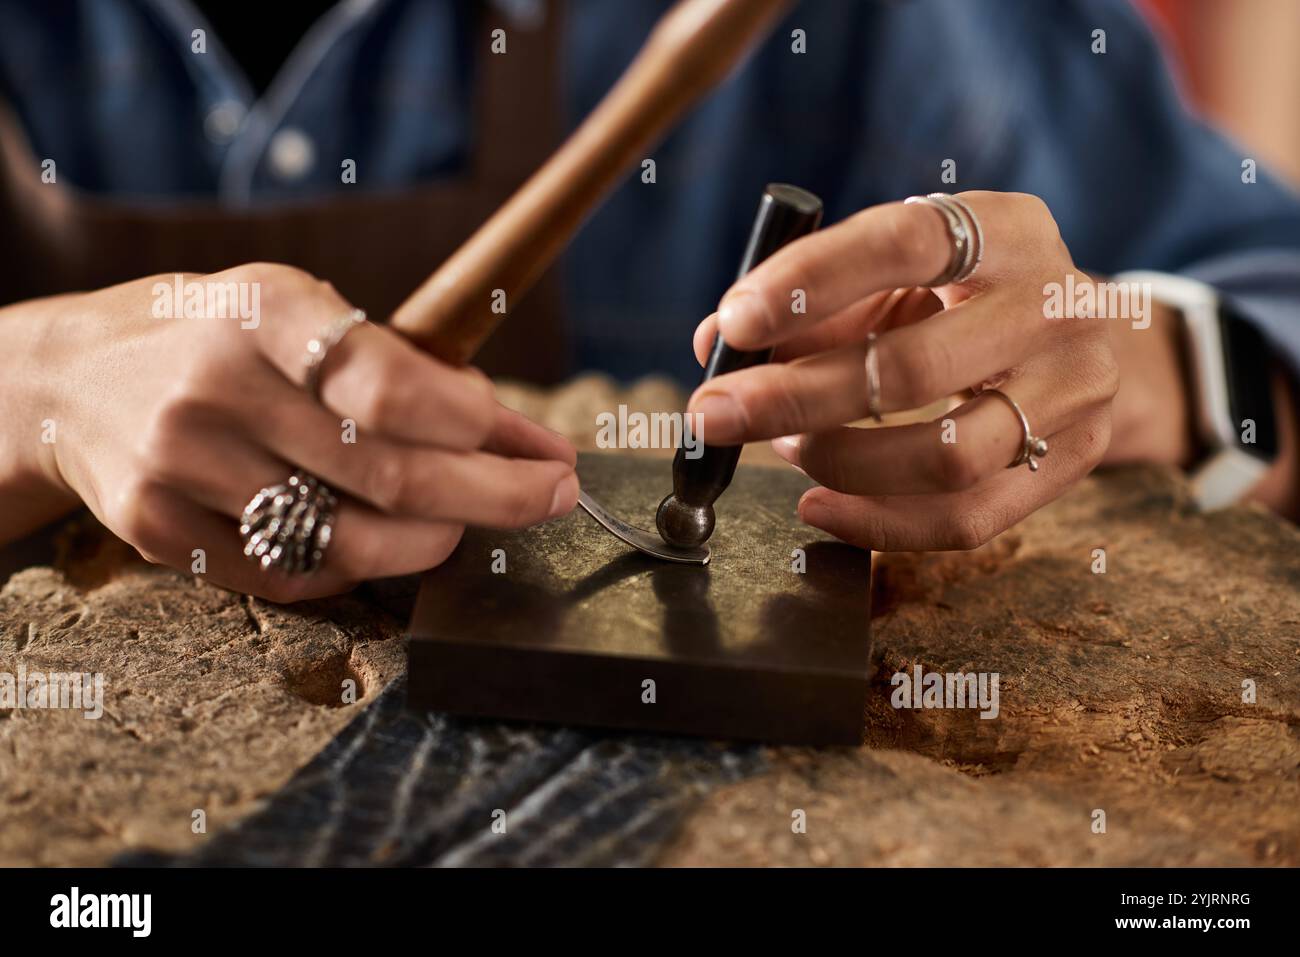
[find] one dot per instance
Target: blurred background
(1239, 62)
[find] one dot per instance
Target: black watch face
(1247, 362)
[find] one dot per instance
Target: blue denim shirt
(886, 92)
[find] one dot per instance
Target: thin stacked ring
(964, 231)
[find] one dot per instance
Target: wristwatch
(1228, 362)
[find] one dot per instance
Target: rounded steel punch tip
(643, 541)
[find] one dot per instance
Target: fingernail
(812, 512)
(742, 318)
(722, 419)
(786, 446)
(565, 497)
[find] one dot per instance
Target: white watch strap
(1225, 477)
(1228, 473)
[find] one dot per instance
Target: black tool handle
(785, 214)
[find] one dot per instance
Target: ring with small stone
(1032, 448)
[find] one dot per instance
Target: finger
(882, 248)
(173, 530)
(364, 544)
(953, 350)
(223, 470)
(880, 311)
(221, 462)
(959, 520)
(877, 313)
(472, 488)
(218, 467)
(374, 376)
(368, 544)
(968, 445)
(515, 435)
(848, 326)
(388, 386)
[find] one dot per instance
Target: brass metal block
(563, 623)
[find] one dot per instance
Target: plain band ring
(289, 526)
(873, 378)
(1032, 448)
(326, 339)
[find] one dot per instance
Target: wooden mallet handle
(691, 49)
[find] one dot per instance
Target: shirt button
(291, 154)
(223, 121)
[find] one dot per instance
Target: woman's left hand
(941, 484)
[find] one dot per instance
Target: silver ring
(289, 526)
(1032, 448)
(964, 231)
(964, 245)
(873, 378)
(326, 339)
(974, 229)
(956, 232)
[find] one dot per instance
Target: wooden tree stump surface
(1120, 693)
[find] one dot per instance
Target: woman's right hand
(166, 428)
